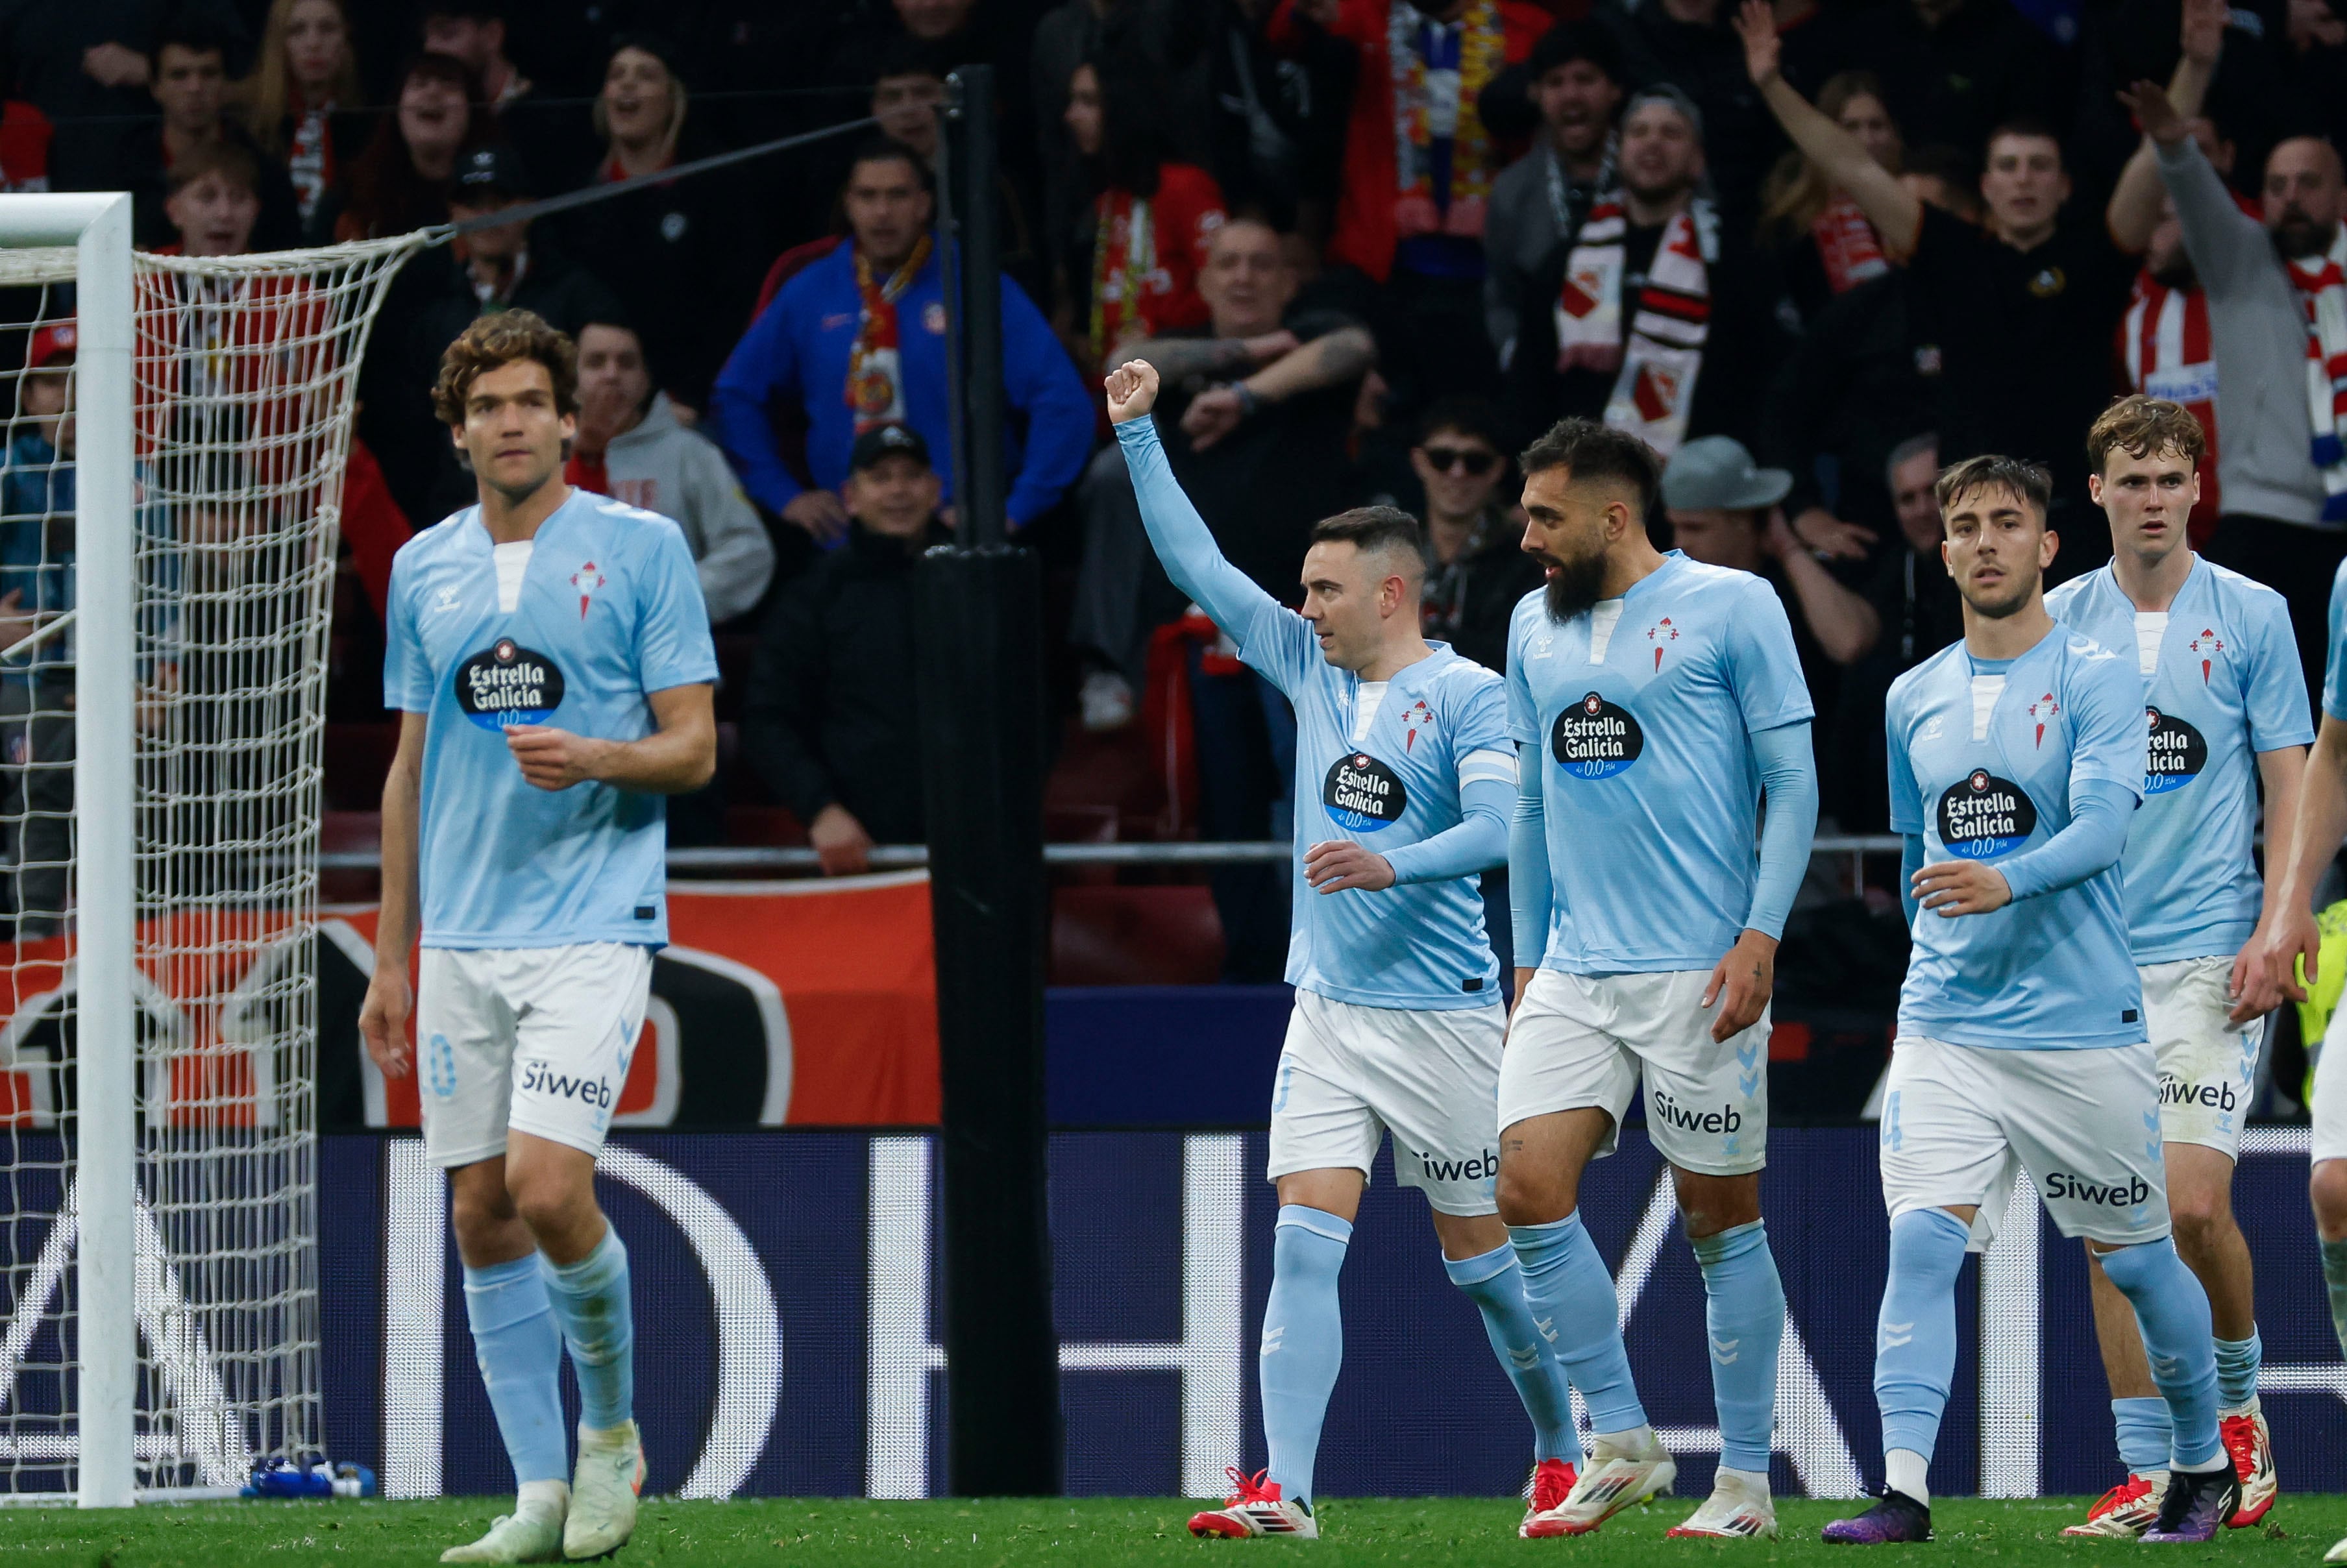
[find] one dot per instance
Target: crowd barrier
(788, 1335)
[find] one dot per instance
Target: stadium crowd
(1811, 252)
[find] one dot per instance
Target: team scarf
(2163, 341)
(1848, 245)
(1424, 115)
(2323, 289)
(1124, 253)
(876, 381)
(1662, 352)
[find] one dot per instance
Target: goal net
(239, 410)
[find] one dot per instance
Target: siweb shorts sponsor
(540, 1078)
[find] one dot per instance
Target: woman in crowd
(400, 181)
(673, 252)
(1134, 267)
(1824, 243)
(301, 102)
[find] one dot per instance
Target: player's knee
(2200, 1215)
(2327, 1188)
(478, 1218)
(548, 1206)
(1529, 1197)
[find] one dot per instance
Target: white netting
(243, 403)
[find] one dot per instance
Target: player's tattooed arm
(1741, 983)
(1178, 358)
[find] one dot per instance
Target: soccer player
(1654, 703)
(2016, 757)
(2224, 708)
(2288, 936)
(551, 661)
(1403, 777)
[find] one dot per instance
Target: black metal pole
(978, 630)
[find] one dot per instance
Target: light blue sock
(1574, 1307)
(1743, 1313)
(590, 1298)
(1303, 1341)
(1915, 1336)
(2145, 1434)
(519, 1351)
(2237, 1361)
(1495, 1282)
(2172, 1311)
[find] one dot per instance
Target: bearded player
(1656, 703)
(2225, 710)
(551, 661)
(2016, 758)
(1403, 777)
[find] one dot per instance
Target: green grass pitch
(792, 1532)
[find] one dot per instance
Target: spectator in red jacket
(1134, 261)
(1418, 172)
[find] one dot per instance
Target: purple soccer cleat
(2197, 1505)
(1894, 1521)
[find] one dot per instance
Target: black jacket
(1865, 377)
(1470, 602)
(829, 715)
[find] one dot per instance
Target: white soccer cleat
(603, 1492)
(2248, 1443)
(2337, 1554)
(1255, 1508)
(1735, 1510)
(2126, 1511)
(528, 1534)
(1615, 1481)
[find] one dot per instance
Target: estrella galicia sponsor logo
(540, 1078)
(1670, 1112)
(1482, 1167)
(1592, 739)
(2174, 1091)
(1982, 817)
(1362, 794)
(508, 684)
(2063, 1184)
(2173, 754)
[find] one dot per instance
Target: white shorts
(2330, 1094)
(2207, 1067)
(1584, 1040)
(534, 1039)
(1348, 1073)
(2085, 1124)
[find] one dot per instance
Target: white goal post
(170, 492)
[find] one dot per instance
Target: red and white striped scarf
(2163, 343)
(1847, 245)
(2323, 289)
(1662, 352)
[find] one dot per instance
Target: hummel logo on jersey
(2043, 709)
(1676, 1116)
(1542, 646)
(1933, 728)
(2207, 645)
(1661, 634)
(540, 1078)
(2063, 1184)
(451, 598)
(586, 579)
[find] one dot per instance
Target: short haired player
(2016, 758)
(551, 661)
(1403, 777)
(2225, 710)
(1655, 702)
(2290, 937)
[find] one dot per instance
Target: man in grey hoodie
(632, 448)
(2272, 528)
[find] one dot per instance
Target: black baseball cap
(887, 441)
(491, 171)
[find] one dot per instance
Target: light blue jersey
(1640, 713)
(1436, 733)
(2335, 676)
(2221, 683)
(609, 610)
(1987, 760)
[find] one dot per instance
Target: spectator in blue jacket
(858, 340)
